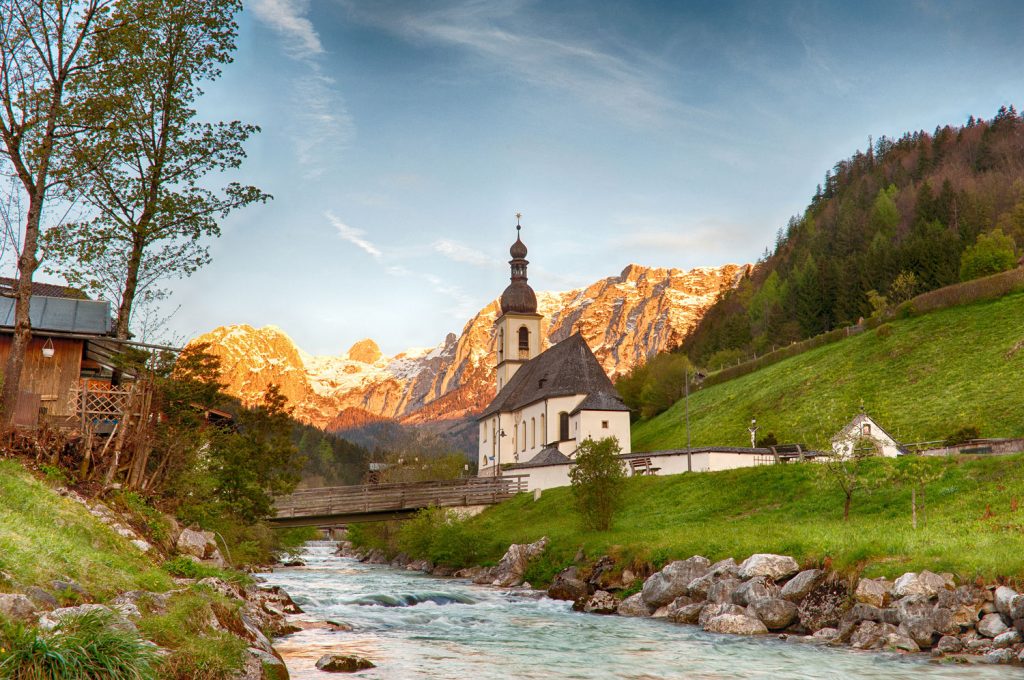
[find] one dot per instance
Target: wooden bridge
(336, 505)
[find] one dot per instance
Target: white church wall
(600, 424)
(546, 477)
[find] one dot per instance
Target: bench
(786, 451)
(642, 466)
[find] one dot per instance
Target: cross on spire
(518, 217)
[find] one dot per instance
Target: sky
(399, 139)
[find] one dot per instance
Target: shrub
(440, 536)
(884, 331)
(185, 567)
(963, 435)
(597, 482)
(768, 440)
(83, 647)
(991, 253)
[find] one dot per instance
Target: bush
(962, 436)
(884, 331)
(440, 536)
(597, 482)
(83, 647)
(768, 440)
(991, 253)
(186, 567)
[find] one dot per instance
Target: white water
(442, 628)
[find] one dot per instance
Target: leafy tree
(991, 253)
(846, 466)
(250, 467)
(42, 57)
(597, 482)
(143, 162)
(915, 471)
(904, 287)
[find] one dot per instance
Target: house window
(604, 424)
(866, 429)
(563, 426)
(533, 433)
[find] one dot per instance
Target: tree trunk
(846, 507)
(27, 264)
(131, 285)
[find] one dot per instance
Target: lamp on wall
(48, 349)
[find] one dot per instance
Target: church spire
(518, 297)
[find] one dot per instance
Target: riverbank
(452, 628)
(85, 585)
(766, 594)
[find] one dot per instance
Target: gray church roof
(566, 368)
(601, 401)
(61, 314)
(549, 455)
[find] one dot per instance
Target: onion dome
(518, 297)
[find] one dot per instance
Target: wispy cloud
(464, 305)
(287, 17)
(517, 42)
(460, 252)
(322, 125)
(660, 234)
(356, 237)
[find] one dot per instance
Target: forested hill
(895, 220)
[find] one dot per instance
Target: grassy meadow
(971, 525)
(45, 537)
(921, 378)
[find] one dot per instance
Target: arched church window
(524, 339)
(563, 426)
(524, 435)
(533, 433)
(543, 431)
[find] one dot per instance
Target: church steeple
(518, 297)
(518, 327)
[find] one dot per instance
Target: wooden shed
(66, 333)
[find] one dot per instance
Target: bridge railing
(369, 498)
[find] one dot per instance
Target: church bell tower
(518, 327)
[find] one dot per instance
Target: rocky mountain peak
(365, 351)
(625, 319)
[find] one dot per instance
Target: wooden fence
(369, 499)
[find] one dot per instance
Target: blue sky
(399, 139)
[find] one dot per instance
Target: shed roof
(601, 401)
(564, 369)
(47, 289)
(549, 455)
(61, 314)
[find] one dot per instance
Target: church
(547, 402)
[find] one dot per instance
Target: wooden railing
(381, 498)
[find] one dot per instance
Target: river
(417, 626)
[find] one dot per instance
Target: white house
(861, 427)
(547, 402)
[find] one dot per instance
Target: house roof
(566, 368)
(59, 314)
(601, 401)
(549, 455)
(8, 284)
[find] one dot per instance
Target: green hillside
(972, 529)
(920, 378)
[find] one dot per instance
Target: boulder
(698, 588)
(926, 583)
(871, 635)
(872, 592)
(774, 612)
(568, 586)
(991, 625)
(342, 663)
(40, 598)
(119, 616)
(900, 642)
(721, 590)
(17, 607)
(757, 588)
(949, 644)
(689, 613)
(866, 612)
(634, 605)
(826, 634)
(1017, 608)
(920, 630)
(1004, 600)
(70, 590)
(201, 544)
(999, 656)
(710, 611)
(726, 567)
(775, 567)
(1007, 639)
(601, 602)
(512, 566)
(912, 607)
(141, 544)
(735, 624)
(601, 574)
(800, 585)
(672, 581)
(825, 605)
(265, 666)
(675, 605)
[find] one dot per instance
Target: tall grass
(83, 647)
